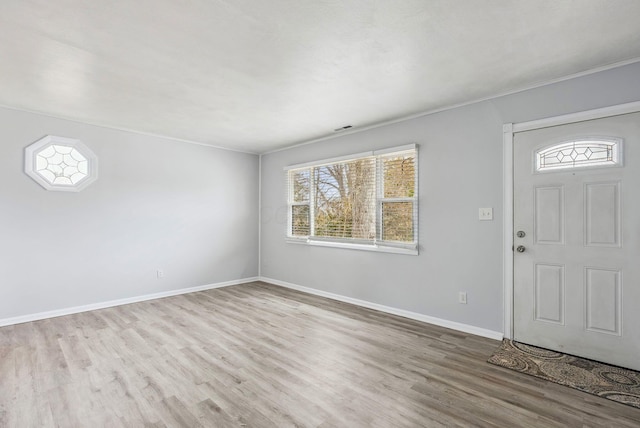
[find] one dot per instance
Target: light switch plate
(485, 214)
(462, 297)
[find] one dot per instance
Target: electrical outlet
(160, 273)
(485, 213)
(462, 297)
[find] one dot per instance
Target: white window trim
(322, 162)
(35, 148)
(376, 246)
(352, 246)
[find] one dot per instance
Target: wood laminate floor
(263, 356)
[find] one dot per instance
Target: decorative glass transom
(62, 165)
(579, 153)
(58, 163)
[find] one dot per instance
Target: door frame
(508, 131)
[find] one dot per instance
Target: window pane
(575, 154)
(399, 176)
(362, 200)
(397, 221)
(300, 182)
(300, 220)
(345, 199)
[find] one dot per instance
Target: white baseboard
(466, 328)
(112, 303)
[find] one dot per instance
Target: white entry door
(577, 239)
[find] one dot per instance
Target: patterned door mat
(611, 382)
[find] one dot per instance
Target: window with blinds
(365, 201)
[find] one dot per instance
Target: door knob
(520, 234)
(520, 248)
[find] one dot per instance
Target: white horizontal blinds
(370, 199)
(397, 197)
(344, 204)
(299, 202)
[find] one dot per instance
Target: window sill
(352, 246)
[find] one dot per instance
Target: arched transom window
(588, 152)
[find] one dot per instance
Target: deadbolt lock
(520, 234)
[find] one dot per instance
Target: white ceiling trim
(133, 131)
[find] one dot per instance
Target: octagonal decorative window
(62, 164)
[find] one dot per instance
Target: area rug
(611, 382)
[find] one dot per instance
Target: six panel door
(577, 203)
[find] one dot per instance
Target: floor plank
(258, 355)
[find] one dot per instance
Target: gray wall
(157, 204)
(460, 171)
(162, 204)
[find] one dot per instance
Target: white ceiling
(257, 75)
